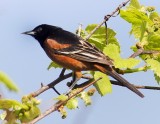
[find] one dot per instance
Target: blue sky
(26, 63)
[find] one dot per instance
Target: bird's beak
(32, 33)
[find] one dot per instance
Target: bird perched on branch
(72, 52)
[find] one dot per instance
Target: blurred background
(22, 58)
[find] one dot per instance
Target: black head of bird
(42, 32)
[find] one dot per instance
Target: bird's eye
(39, 29)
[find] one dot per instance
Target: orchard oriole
(72, 52)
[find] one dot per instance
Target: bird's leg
(73, 78)
(73, 84)
(77, 76)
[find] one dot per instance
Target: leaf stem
(145, 68)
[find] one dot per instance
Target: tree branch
(107, 17)
(120, 84)
(137, 53)
(137, 86)
(55, 82)
(60, 103)
(62, 72)
(144, 68)
(142, 51)
(51, 85)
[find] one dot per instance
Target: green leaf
(136, 31)
(126, 63)
(135, 3)
(53, 65)
(153, 42)
(112, 51)
(31, 111)
(62, 97)
(15, 110)
(145, 27)
(155, 67)
(29, 100)
(139, 31)
(143, 30)
(157, 78)
(153, 15)
(8, 104)
(31, 114)
(111, 39)
(99, 38)
(86, 98)
(72, 103)
(134, 16)
(103, 86)
(8, 82)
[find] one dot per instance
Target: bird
(73, 52)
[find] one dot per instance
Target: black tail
(116, 76)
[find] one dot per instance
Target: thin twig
(137, 53)
(60, 103)
(79, 30)
(144, 68)
(151, 52)
(55, 82)
(83, 84)
(142, 51)
(120, 84)
(56, 90)
(137, 86)
(62, 72)
(51, 85)
(106, 19)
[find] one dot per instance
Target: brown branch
(51, 85)
(107, 17)
(150, 52)
(137, 86)
(142, 51)
(62, 72)
(82, 87)
(55, 82)
(137, 53)
(120, 84)
(60, 103)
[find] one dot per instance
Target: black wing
(86, 52)
(80, 49)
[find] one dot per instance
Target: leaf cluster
(23, 111)
(145, 27)
(73, 102)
